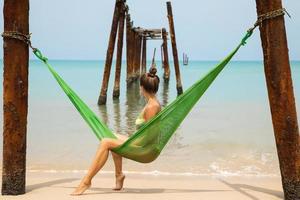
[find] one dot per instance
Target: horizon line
(35, 59)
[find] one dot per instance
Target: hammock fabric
(147, 142)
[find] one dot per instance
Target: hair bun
(152, 71)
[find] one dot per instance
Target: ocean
(228, 133)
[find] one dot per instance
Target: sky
(205, 30)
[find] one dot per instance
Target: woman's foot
(83, 186)
(119, 182)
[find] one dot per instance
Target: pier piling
(281, 97)
(166, 56)
(116, 91)
(110, 52)
(129, 49)
(15, 98)
(144, 55)
(174, 47)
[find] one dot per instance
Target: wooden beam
(281, 97)
(110, 53)
(116, 91)
(155, 38)
(153, 31)
(15, 98)
(174, 48)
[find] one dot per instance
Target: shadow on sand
(128, 190)
(239, 187)
(149, 190)
(30, 188)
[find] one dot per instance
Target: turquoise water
(229, 132)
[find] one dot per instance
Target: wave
(217, 173)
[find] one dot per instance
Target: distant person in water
(149, 83)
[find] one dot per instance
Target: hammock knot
(271, 15)
(261, 18)
(18, 36)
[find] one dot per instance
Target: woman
(149, 83)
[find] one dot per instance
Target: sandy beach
(47, 185)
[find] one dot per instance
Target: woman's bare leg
(118, 171)
(98, 162)
(118, 165)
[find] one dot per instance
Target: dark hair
(150, 81)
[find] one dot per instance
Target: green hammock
(147, 142)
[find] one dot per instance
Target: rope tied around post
(26, 39)
(272, 14)
(263, 17)
(18, 36)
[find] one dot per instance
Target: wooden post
(281, 97)
(134, 45)
(174, 47)
(144, 55)
(136, 55)
(109, 54)
(15, 98)
(153, 58)
(162, 55)
(132, 53)
(116, 91)
(130, 48)
(166, 56)
(139, 54)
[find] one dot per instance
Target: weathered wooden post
(15, 98)
(139, 53)
(130, 48)
(116, 91)
(144, 55)
(166, 56)
(135, 54)
(136, 63)
(162, 55)
(174, 47)
(153, 58)
(134, 45)
(109, 54)
(132, 53)
(281, 97)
